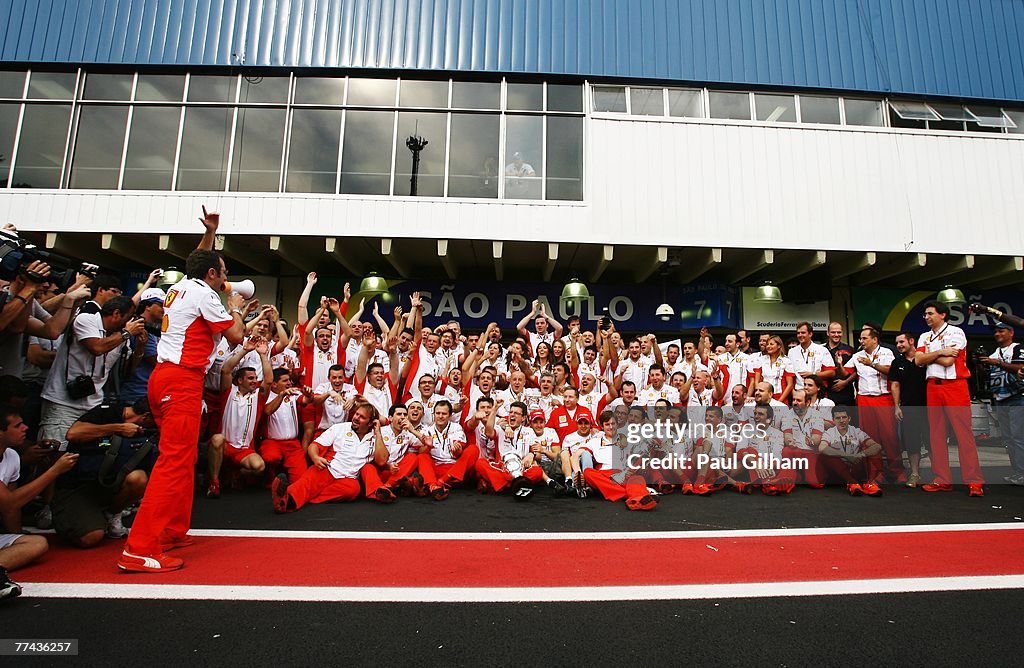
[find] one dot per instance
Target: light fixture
(950, 295)
(575, 290)
(169, 277)
(373, 284)
(768, 294)
(665, 312)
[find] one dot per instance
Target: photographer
(17, 549)
(21, 314)
(89, 350)
(85, 508)
(151, 310)
(1004, 365)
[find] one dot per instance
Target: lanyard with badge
(442, 439)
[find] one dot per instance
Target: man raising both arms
(194, 322)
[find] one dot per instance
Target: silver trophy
(513, 464)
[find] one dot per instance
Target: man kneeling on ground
(84, 509)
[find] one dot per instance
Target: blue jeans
(1011, 424)
(587, 461)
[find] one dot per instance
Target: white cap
(152, 294)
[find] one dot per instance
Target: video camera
(16, 255)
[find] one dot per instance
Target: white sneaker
(114, 527)
(44, 518)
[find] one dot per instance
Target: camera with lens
(16, 255)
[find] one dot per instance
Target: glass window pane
(524, 97)
(212, 89)
(107, 86)
(8, 126)
(204, 148)
(951, 112)
(476, 95)
(913, 111)
(313, 153)
(372, 92)
(160, 87)
(863, 112)
(256, 161)
(610, 98)
(12, 84)
(473, 171)
(423, 94)
(735, 106)
(897, 121)
(565, 158)
(149, 164)
(646, 102)
(988, 117)
(775, 108)
(819, 109)
(565, 97)
(366, 156)
(51, 85)
(430, 179)
(264, 89)
(98, 143)
(1017, 117)
(523, 157)
(685, 103)
(41, 148)
(320, 90)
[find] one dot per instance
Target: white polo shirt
(334, 411)
(397, 443)
(442, 440)
(870, 382)
(351, 453)
(802, 428)
(851, 442)
(283, 424)
(241, 415)
(814, 358)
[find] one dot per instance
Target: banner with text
(898, 309)
(783, 317)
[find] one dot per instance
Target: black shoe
(521, 489)
(384, 495)
(557, 489)
(8, 587)
(279, 493)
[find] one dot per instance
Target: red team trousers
(320, 486)
(498, 478)
(433, 472)
(175, 398)
(287, 454)
(950, 401)
(878, 419)
(374, 477)
(601, 480)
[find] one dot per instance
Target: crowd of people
(348, 402)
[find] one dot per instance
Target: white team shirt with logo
(850, 443)
(650, 396)
(283, 424)
(442, 440)
(870, 382)
(814, 359)
(573, 443)
(489, 447)
(241, 413)
(397, 444)
(193, 321)
(334, 411)
(802, 428)
(351, 453)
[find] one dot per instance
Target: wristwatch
(126, 335)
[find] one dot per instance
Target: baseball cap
(584, 414)
(999, 324)
(152, 295)
(537, 413)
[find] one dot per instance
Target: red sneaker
(687, 488)
(975, 490)
(871, 489)
(168, 544)
(279, 493)
(854, 489)
(384, 495)
(937, 487)
(156, 563)
(213, 490)
(701, 489)
(645, 502)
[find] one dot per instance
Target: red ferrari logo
(171, 296)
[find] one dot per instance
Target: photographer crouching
(111, 473)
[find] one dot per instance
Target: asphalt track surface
(937, 628)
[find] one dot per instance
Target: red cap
(584, 414)
(537, 413)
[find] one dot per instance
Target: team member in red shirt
(194, 322)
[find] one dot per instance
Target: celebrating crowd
(348, 402)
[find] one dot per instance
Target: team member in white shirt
(403, 443)
(591, 395)
(334, 398)
(633, 368)
(703, 394)
(449, 458)
(578, 449)
(516, 391)
(427, 397)
(776, 369)
(718, 446)
(851, 455)
(378, 386)
(740, 409)
(611, 483)
(536, 445)
(943, 350)
(733, 363)
(813, 387)
(244, 398)
(803, 428)
(282, 446)
(658, 389)
(547, 328)
(810, 358)
(340, 454)
(875, 406)
(768, 442)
